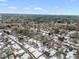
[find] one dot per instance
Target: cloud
(40, 9)
(37, 8)
(26, 8)
(3, 4)
(56, 7)
(2, 0)
(12, 7)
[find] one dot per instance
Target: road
(34, 53)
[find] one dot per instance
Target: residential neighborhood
(25, 37)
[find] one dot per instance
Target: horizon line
(42, 14)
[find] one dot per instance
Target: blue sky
(58, 7)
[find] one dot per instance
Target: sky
(56, 7)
